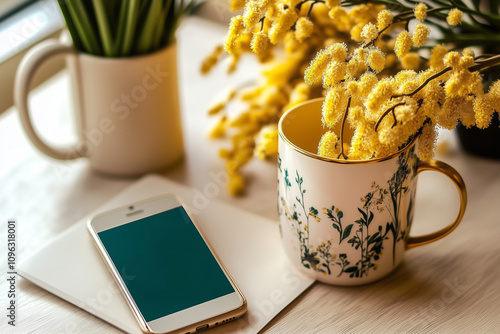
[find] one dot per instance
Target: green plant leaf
(370, 218)
(145, 41)
(130, 26)
(77, 42)
(120, 29)
(347, 231)
(160, 30)
(363, 213)
(335, 226)
(350, 269)
(84, 28)
(103, 27)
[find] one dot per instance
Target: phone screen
(165, 263)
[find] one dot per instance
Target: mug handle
(452, 174)
(25, 72)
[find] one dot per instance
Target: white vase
(127, 109)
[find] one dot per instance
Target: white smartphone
(171, 278)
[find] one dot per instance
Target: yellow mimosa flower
(454, 17)
(421, 11)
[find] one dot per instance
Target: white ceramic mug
(127, 109)
(347, 222)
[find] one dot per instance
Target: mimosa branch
(480, 64)
(391, 109)
(342, 153)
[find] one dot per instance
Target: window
(23, 24)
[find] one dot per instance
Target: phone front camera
(131, 207)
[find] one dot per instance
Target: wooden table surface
(452, 285)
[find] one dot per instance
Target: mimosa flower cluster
(367, 65)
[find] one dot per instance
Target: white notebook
(249, 245)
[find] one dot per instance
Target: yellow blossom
(352, 66)
(338, 51)
(251, 14)
(236, 185)
(467, 60)
(420, 34)
(392, 137)
(467, 117)
(291, 43)
(454, 17)
(464, 83)
(360, 53)
(369, 32)
(235, 29)
(328, 145)
(340, 19)
(384, 19)
(494, 93)
(283, 23)
(356, 32)
(221, 102)
(452, 59)
(468, 52)
(450, 112)
(235, 57)
(421, 11)
(365, 13)
(303, 29)
(314, 72)
(380, 93)
(355, 116)
(409, 85)
(367, 81)
(403, 44)
(237, 5)
(219, 129)
(426, 144)
(212, 59)
(411, 61)
(335, 52)
(404, 76)
(376, 60)
(259, 42)
(483, 111)
(299, 94)
(332, 3)
(333, 106)
(334, 72)
(358, 150)
(267, 142)
(437, 54)
(390, 60)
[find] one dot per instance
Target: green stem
(73, 31)
(145, 41)
(103, 27)
(120, 31)
(84, 28)
(160, 30)
(130, 26)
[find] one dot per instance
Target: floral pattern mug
(348, 222)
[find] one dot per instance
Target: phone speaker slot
(134, 213)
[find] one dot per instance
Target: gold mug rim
(327, 159)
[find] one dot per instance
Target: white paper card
(71, 268)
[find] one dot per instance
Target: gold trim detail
(452, 174)
(326, 159)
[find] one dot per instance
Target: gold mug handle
(452, 174)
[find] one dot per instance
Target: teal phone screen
(165, 264)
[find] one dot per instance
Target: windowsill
(18, 33)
